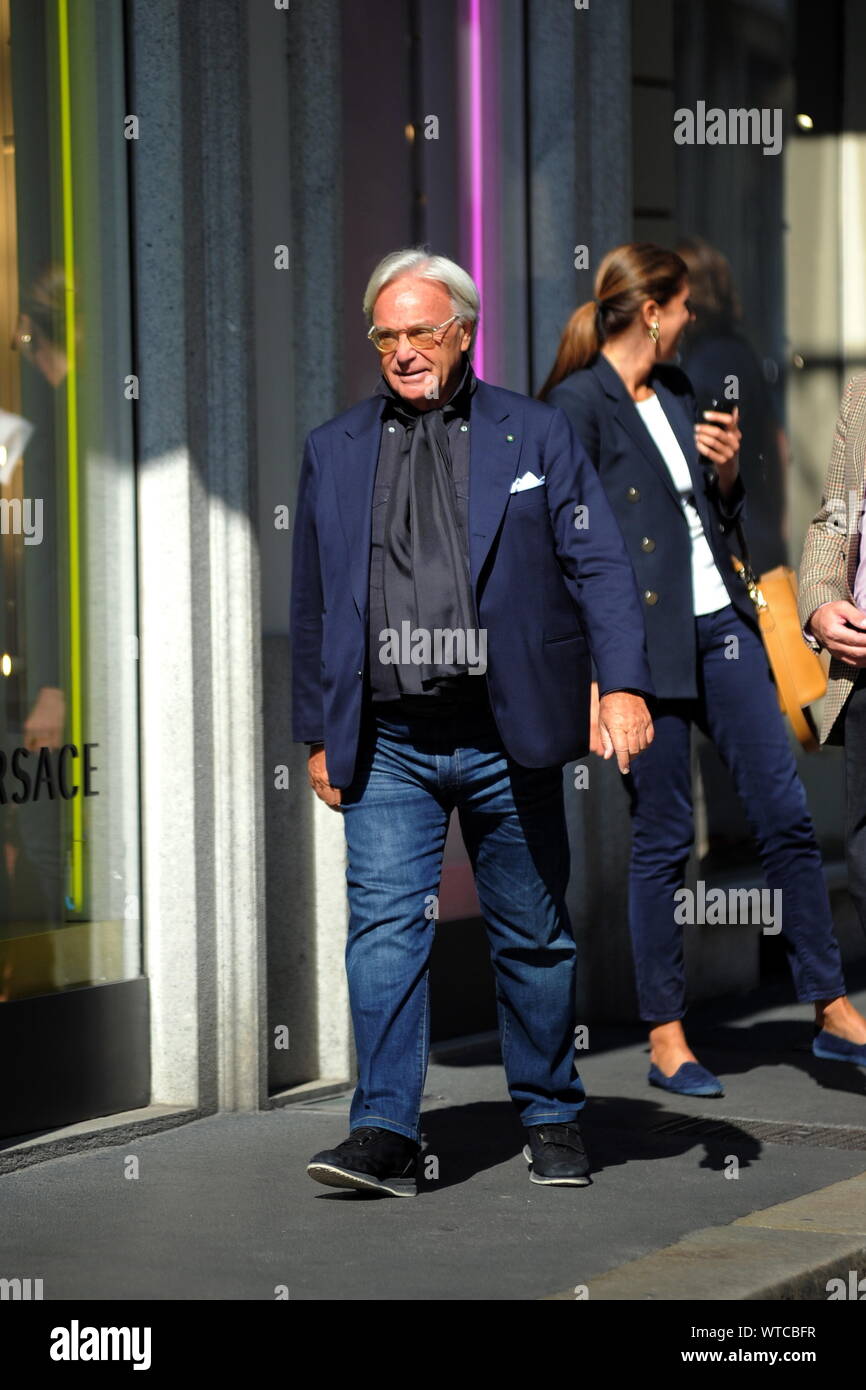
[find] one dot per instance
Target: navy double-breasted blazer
(647, 506)
(553, 585)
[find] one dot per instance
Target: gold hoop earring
(654, 330)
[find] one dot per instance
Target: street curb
(98, 1132)
(789, 1251)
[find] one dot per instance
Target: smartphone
(710, 401)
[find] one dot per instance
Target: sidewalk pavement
(222, 1207)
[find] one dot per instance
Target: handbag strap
(745, 558)
(743, 567)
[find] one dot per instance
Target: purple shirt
(860, 576)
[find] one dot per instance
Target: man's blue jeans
(738, 708)
(411, 773)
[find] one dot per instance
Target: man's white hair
(415, 260)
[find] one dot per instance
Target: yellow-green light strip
(75, 667)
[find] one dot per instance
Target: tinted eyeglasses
(421, 335)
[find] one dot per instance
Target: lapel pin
(510, 438)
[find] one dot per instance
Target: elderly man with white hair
(456, 570)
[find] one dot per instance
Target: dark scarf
(425, 571)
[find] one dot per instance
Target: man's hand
(830, 624)
(624, 726)
(318, 774)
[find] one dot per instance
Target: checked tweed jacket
(832, 549)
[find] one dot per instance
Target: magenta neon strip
(476, 168)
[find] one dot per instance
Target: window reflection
(69, 895)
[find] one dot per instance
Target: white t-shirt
(708, 587)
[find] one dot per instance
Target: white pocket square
(527, 481)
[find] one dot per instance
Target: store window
(69, 839)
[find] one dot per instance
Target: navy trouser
(738, 709)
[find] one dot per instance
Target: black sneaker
(557, 1156)
(376, 1160)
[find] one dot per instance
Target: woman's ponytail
(578, 345)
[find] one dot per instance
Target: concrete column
(580, 194)
(297, 145)
(579, 141)
(203, 880)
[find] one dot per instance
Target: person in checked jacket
(832, 602)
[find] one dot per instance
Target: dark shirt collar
(458, 404)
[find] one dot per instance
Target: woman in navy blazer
(675, 490)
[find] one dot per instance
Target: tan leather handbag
(798, 672)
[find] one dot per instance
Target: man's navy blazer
(648, 509)
(552, 583)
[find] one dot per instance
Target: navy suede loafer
(690, 1079)
(834, 1049)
